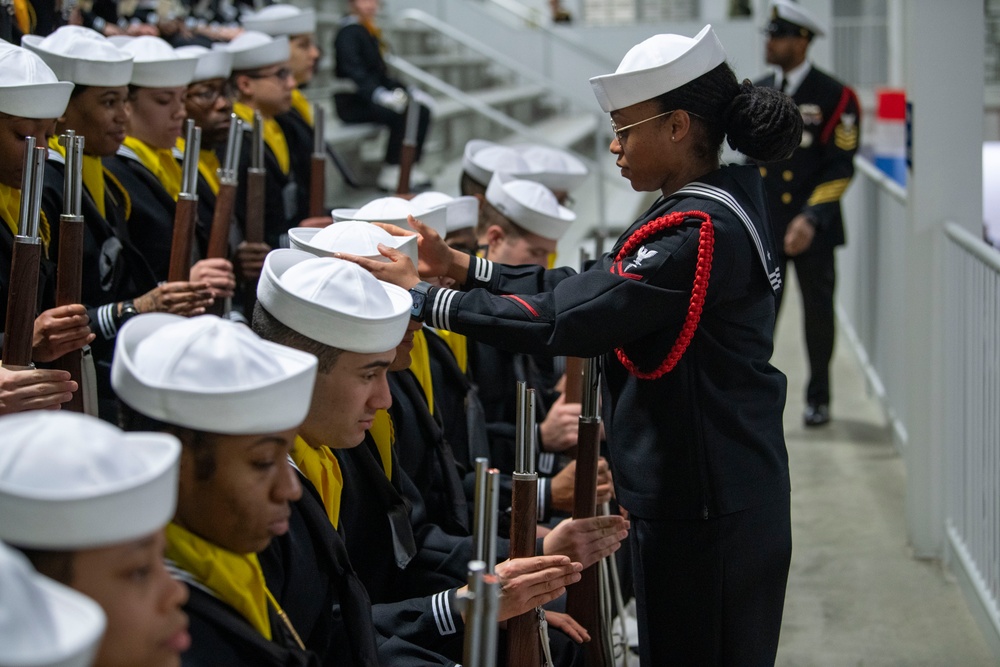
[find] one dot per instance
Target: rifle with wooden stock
(524, 632)
(585, 598)
(22, 297)
(253, 231)
(482, 601)
(317, 165)
(225, 202)
(186, 213)
(69, 274)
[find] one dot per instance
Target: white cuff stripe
(106, 320)
(483, 270)
(442, 613)
(439, 308)
(546, 461)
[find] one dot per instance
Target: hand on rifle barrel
(37, 389)
(586, 541)
(178, 298)
(249, 260)
(60, 330)
(526, 583)
(563, 486)
(218, 273)
(561, 427)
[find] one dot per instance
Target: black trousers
(352, 109)
(817, 276)
(711, 592)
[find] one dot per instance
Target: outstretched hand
(526, 583)
(587, 540)
(399, 270)
(437, 259)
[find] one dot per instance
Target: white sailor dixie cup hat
(481, 159)
(333, 301)
(156, 64)
(211, 374)
(393, 211)
(253, 50)
(461, 212)
(529, 205)
(83, 56)
(42, 622)
(556, 169)
(658, 65)
(212, 63)
(68, 481)
(281, 19)
(792, 19)
(356, 237)
(28, 87)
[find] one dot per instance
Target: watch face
(417, 310)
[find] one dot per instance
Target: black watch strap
(419, 292)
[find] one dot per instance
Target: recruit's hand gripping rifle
(317, 165)
(22, 297)
(69, 274)
(186, 213)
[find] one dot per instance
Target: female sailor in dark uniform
(682, 313)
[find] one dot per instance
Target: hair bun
(763, 123)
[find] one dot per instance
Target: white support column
(943, 76)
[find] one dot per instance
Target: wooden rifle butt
(183, 240)
(69, 278)
(22, 304)
(222, 217)
(523, 647)
(317, 186)
(573, 391)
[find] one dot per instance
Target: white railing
(871, 272)
(972, 414)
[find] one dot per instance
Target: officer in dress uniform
(263, 82)
(86, 503)
(234, 401)
(682, 313)
(804, 190)
(145, 163)
(411, 569)
(117, 282)
(299, 26)
(31, 98)
(43, 622)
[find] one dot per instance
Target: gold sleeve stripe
(828, 192)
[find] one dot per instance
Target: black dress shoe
(816, 414)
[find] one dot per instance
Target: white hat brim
(267, 407)
(550, 227)
(106, 73)
(301, 238)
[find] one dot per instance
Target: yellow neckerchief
(273, 136)
(321, 468)
(161, 162)
(93, 174)
(384, 433)
(236, 579)
(208, 165)
(459, 346)
(375, 32)
(301, 104)
(420, 366)
(10, 210)
(25, 16)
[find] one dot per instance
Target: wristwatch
(419, 294)
(127, 312)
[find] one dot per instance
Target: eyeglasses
(620, 131)
(280, 74)
(208, 96)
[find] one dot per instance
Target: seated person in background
(358, 51)
(31, 99)
(145, 163)
(86, 503)
(44, 623)
(299, 25)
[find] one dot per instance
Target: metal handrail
(974, 245)
(865, 166)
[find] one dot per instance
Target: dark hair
(78, 89)
(57, 565)
(201, 443)
(269, 328)
(470, 186)
(761, 123)
(489, 215)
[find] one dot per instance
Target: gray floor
(855, 595)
